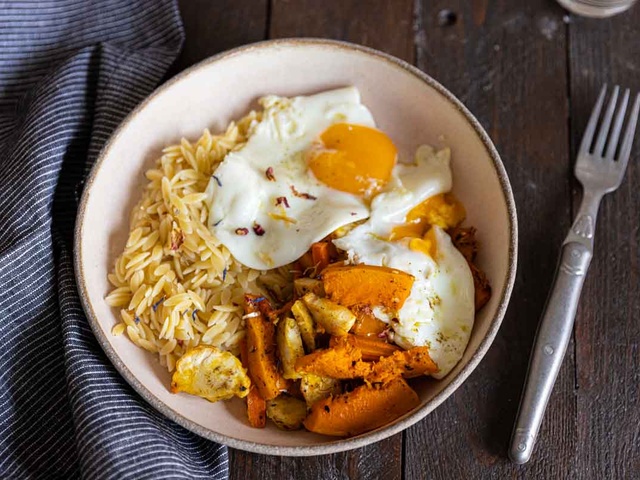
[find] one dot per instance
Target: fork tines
(608, 135)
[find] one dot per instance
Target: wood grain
(506, 61)
(379, 24)
(215, 26)
(608, 321)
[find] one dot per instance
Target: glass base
(581, 8)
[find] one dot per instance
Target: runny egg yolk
(427, 244)
(353, 158)
(443, 210)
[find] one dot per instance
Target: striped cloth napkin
(70, 70)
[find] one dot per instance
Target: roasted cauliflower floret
(210, 373)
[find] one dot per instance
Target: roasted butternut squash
(372, 349)
(407, 363)
(261, 349)
(320, 255)
(361, 410)
(342, 361)
(352, 285)
(256, 405)
(367, 325)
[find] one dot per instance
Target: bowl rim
(342, 444)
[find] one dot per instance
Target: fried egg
(305, 171)
(439, 311)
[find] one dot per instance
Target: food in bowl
(296, 262)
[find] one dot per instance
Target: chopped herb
(193, 314)
(258, 230)
(242, 231)
(270, 175)
(137, 319)
(217, 180)
(282, 201)
(306, 196)
(218, 222)
(224, 274)
(155, 305)
(242, 388)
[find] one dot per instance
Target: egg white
(439, 311)
(240, 195)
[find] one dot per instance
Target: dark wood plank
(507, 62)
(608, 322)
(213, 27)
(386, 26)
(379, 24)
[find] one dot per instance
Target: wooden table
(530, 73)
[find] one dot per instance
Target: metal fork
(599, 172)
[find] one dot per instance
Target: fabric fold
(70, 71)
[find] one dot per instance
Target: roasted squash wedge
(341, 361)
(261, 352)
(367, 285)
(407, 363)
(361, 410)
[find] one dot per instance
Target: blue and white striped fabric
(70, 70)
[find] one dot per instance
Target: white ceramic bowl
(407, 104)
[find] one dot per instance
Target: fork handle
(554, 332)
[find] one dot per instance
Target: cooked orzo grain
(175, 284)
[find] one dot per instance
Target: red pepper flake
(258, 230)
(384, 333)
(306, 196)
(282, 201)
(242, 231)
(270, 175)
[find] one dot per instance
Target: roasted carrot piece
(361, 410)
(261, 351)
(306, 262)
(256, 408)
(371, 349)
(320, 255)
(342, 361)
(407, 363)
(366, 323)
(256, 405)
(367, 285)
